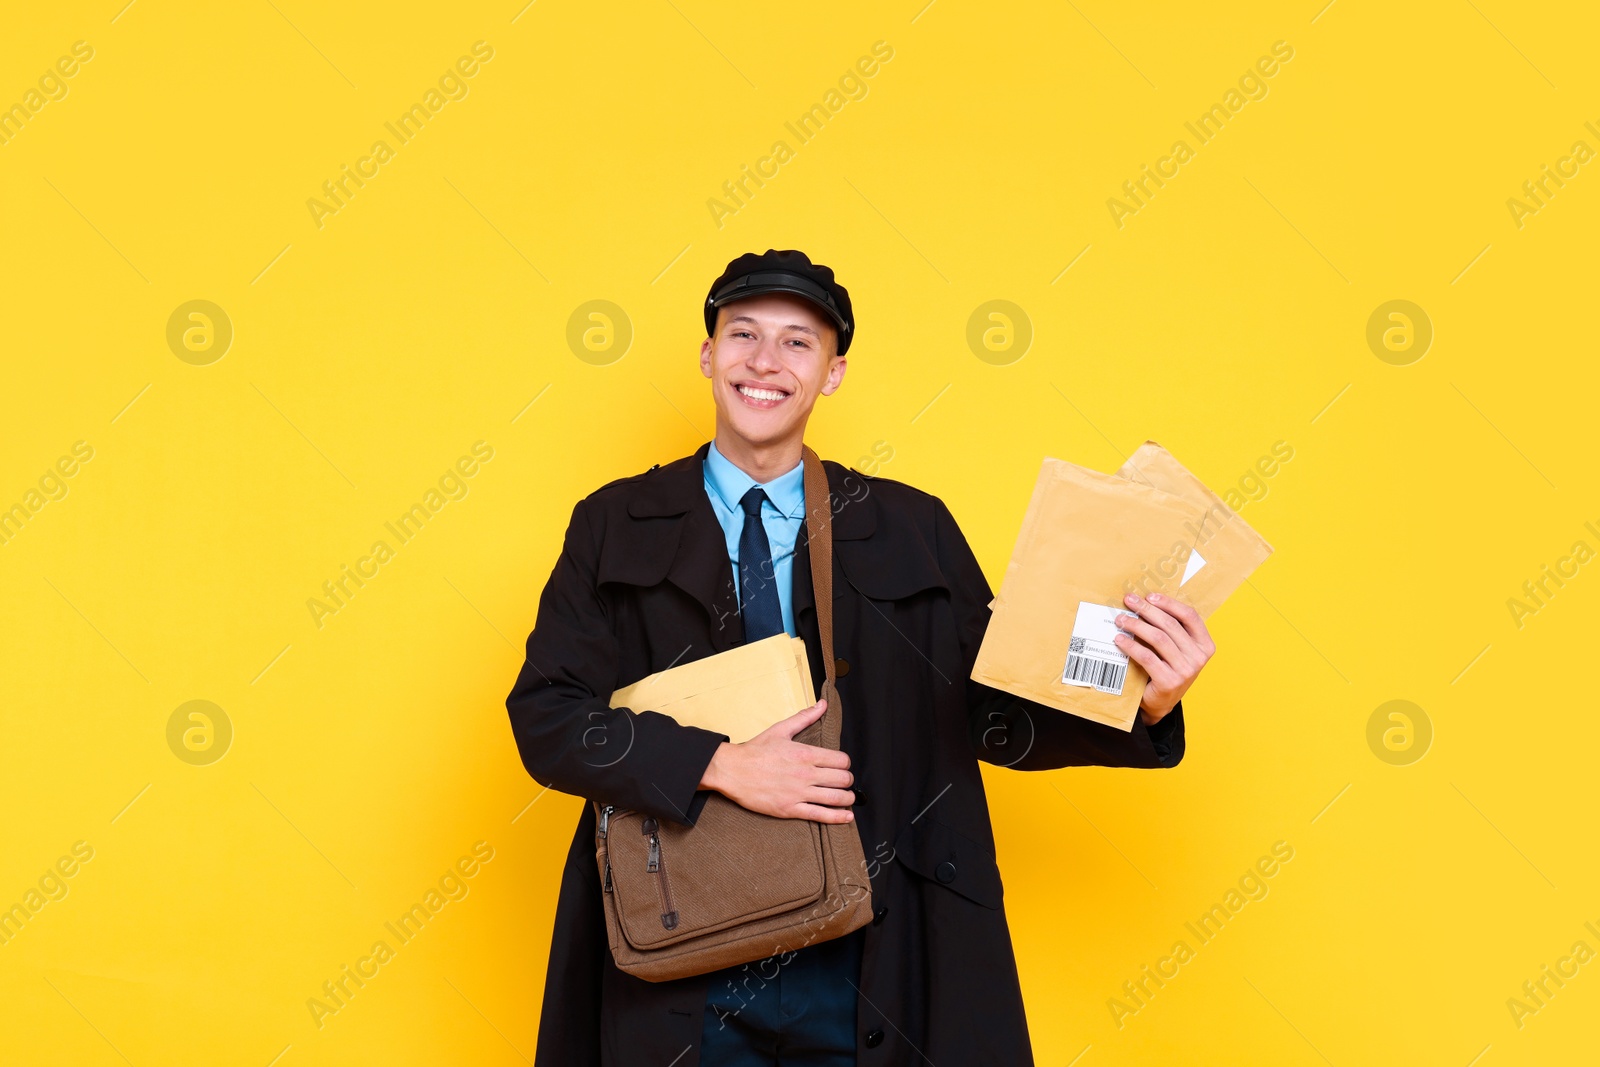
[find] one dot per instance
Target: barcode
(1102, 674)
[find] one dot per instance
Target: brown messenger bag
(737, 886)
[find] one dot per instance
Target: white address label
(1093, 660)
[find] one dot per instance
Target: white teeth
(761, 394)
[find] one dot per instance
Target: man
(646, 581)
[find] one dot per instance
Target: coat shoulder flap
(891, 555)
(637, 538)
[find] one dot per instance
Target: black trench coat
(643, 583)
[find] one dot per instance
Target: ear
(705, 357)
(835, 376)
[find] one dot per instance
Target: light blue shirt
(781, 516)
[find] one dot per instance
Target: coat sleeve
(1011, 731)
(568, 735)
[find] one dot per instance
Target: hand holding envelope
(1089, 539)
(745, 692)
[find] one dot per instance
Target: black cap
(787, 271)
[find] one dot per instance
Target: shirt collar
(786, 492)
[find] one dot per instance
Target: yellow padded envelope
(739, 692)
(1086, 539)
(1076, 535)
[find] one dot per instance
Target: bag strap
(824, 732)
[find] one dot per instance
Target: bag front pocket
(672, 882)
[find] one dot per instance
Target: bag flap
(733, 866)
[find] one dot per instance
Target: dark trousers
(799, 1013)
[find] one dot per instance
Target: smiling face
(770, 359)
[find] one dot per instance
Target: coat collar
(700, 564)
(678, 488)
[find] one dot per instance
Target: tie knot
(752, 501)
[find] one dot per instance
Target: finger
(836, 798)
(818, 813)
(832, 758)
(1151, 635)
(798, 721)
(1162, 675)
(1174, 630)
(1188, 618)
(833, 778)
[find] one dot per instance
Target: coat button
(874, 1038)
(945, 872)
(879, 915)
(841, 668)
(861, 796)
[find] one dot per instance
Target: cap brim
(762, 288)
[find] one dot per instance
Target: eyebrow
(791, 326)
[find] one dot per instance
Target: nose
(765, 357)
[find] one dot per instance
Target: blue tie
(758, 592)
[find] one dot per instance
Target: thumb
(787, 728)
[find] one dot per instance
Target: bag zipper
(605, 822)
(654, 865)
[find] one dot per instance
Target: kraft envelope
(739, 692)
(1087, 538)
(1229, 550)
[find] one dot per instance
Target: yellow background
(1227, 315)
